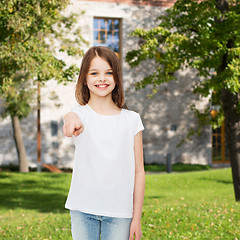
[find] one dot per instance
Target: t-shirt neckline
(101, 115)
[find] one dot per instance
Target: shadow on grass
(153, 197)
(41, 193)
(217, 180)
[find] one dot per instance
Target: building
(166, 117)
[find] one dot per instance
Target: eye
(109, 73)
(93, 73)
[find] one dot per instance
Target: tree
(202, 35)
(30, 32)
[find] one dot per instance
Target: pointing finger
(78, 131)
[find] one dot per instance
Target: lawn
(193, 205)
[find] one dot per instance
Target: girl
(108, 180)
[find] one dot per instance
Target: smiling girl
(108, 181)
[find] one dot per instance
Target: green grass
(193, 205)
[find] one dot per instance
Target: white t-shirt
(104, 164)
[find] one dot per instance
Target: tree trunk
(17, 134)
(232, 122)
(232, 117)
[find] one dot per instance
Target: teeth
(102, 86)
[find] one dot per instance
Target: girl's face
(100, 79)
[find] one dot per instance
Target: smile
(102, 86)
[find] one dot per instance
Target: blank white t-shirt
(104, 164)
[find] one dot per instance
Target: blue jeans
(90, 227)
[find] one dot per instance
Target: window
(107, 33)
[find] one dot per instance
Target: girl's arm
(139, 188)
(72, 125)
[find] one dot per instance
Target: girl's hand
(72, 125)
(135, 230)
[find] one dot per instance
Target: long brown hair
(82, 92)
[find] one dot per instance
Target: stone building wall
(166, 116)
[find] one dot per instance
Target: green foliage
(196, 205)
(31, 32)
(177, 167)
(194, 34)
(21, 92)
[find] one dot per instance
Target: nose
(102, 78)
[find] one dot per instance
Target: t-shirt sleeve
(138, 125)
